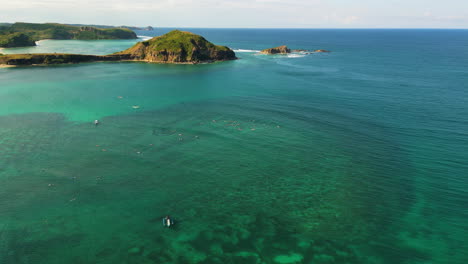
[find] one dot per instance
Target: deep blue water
(354, 156)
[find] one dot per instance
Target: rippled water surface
(355, 156)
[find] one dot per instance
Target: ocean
(354, 156)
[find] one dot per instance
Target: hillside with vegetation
(178, 47)
(147, 28)
(60, 31)
(17, 39)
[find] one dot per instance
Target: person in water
(96, 122)
(167, 221)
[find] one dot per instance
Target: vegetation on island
(60, 31)
(148, 28)
(173, 47)
(178, 47)
(17, 39)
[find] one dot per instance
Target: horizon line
(302, 28)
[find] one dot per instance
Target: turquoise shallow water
(357, 156)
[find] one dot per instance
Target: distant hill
(90, 25)
(61, 31)
(104, 26)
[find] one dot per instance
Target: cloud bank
(243, 13)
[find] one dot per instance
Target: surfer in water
(96, 122)
(167, 221)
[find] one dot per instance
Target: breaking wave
(295, 55)
(246, 50)
(144, 37)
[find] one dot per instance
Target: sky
(243, 13)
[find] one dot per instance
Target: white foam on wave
(295, 55)
(246, 50)
(39, 42)
(144, 37)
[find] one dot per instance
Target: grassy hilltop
(178, 47)
(37, 32)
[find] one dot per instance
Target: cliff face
(48, 59)
(177, 47)
(278, 50)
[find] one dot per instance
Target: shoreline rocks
(50, 59)
(285, 50)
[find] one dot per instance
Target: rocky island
(26, 34)
(178, 47)
(285, 50)
(278, 50)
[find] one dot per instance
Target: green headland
(26, 34)
(17, 39)
(177, 47)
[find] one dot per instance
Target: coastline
(139, 52)
(125, 61)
